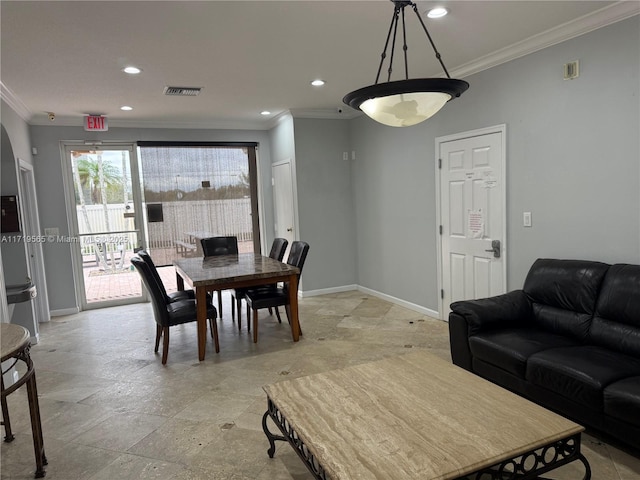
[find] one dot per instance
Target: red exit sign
(95, 123)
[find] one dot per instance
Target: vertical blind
(193, 188)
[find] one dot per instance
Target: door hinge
(439, 163)
(440, 229)
(441, 293)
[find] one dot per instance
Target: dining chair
(168, 314)
(260, 298)
(278, 247)
(173, 296)
(214, 246)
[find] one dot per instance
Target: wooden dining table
(208, 274)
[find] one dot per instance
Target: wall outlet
(52, 231)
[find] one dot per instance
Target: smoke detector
(182, 91)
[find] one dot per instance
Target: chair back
(214, 246)
(298, 254)
(278, 247)
(158, 298)
(144, 255)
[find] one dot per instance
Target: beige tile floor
(110, 410)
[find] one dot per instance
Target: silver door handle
(495, 248)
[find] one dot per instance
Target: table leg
(201, 313)
(36, 426)
(293, 305)
(6, 421)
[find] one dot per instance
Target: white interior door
(283, 199)
(472, 216)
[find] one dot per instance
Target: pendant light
(403, 103)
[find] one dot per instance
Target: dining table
(223, 272)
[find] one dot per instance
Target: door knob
(289, 229)
(495, 248)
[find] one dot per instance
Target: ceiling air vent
(182, 91)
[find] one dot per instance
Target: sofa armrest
(492, 312)
(470, 317)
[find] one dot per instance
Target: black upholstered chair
(260, 298)
(173, 296)
(167, 314)
(214, 246)
(278, 247)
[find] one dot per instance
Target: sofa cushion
(580, 373)
(622, 400)
(509, 349)
(564, 293)
(566, 284)
(616, 324)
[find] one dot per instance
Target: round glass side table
(15, 348)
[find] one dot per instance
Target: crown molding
(15, 103)
(585, 24)
(340, 113)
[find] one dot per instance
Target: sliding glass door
(196, 190)
(106, 219)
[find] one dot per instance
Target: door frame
(31, 226)
(502, 129)
(294, 194)
(72, 217)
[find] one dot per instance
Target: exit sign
(95, 123)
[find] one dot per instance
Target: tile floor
(110, 410)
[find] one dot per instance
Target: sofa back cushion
(616, 323)
(564, 294)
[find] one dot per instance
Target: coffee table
(416, 416)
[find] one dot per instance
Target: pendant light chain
(433, 45)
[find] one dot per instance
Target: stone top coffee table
(416, 416)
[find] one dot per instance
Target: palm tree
(98, 177)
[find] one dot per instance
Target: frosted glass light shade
(404, 109)
(405, 102)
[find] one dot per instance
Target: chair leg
(239, 307)
(219, 303)
(278, 315)
(165, 345)
(158, 335)
(287, 309)
(233, 308)
(214, 333)
(255, 326)
(270, 311)
(248, 318)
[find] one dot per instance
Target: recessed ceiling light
(131, 70)
(126, 108)
(437, 12)
(265, 112)
(317, 83)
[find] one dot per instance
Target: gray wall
(573, 160)
(325, 202)
(48, 173)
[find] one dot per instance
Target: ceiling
(66, 57)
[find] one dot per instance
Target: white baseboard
(326, 291)
(374, 293)
(64, 311)
(402, 303)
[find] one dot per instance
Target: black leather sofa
(569, 341)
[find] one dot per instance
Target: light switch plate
(526, 219)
